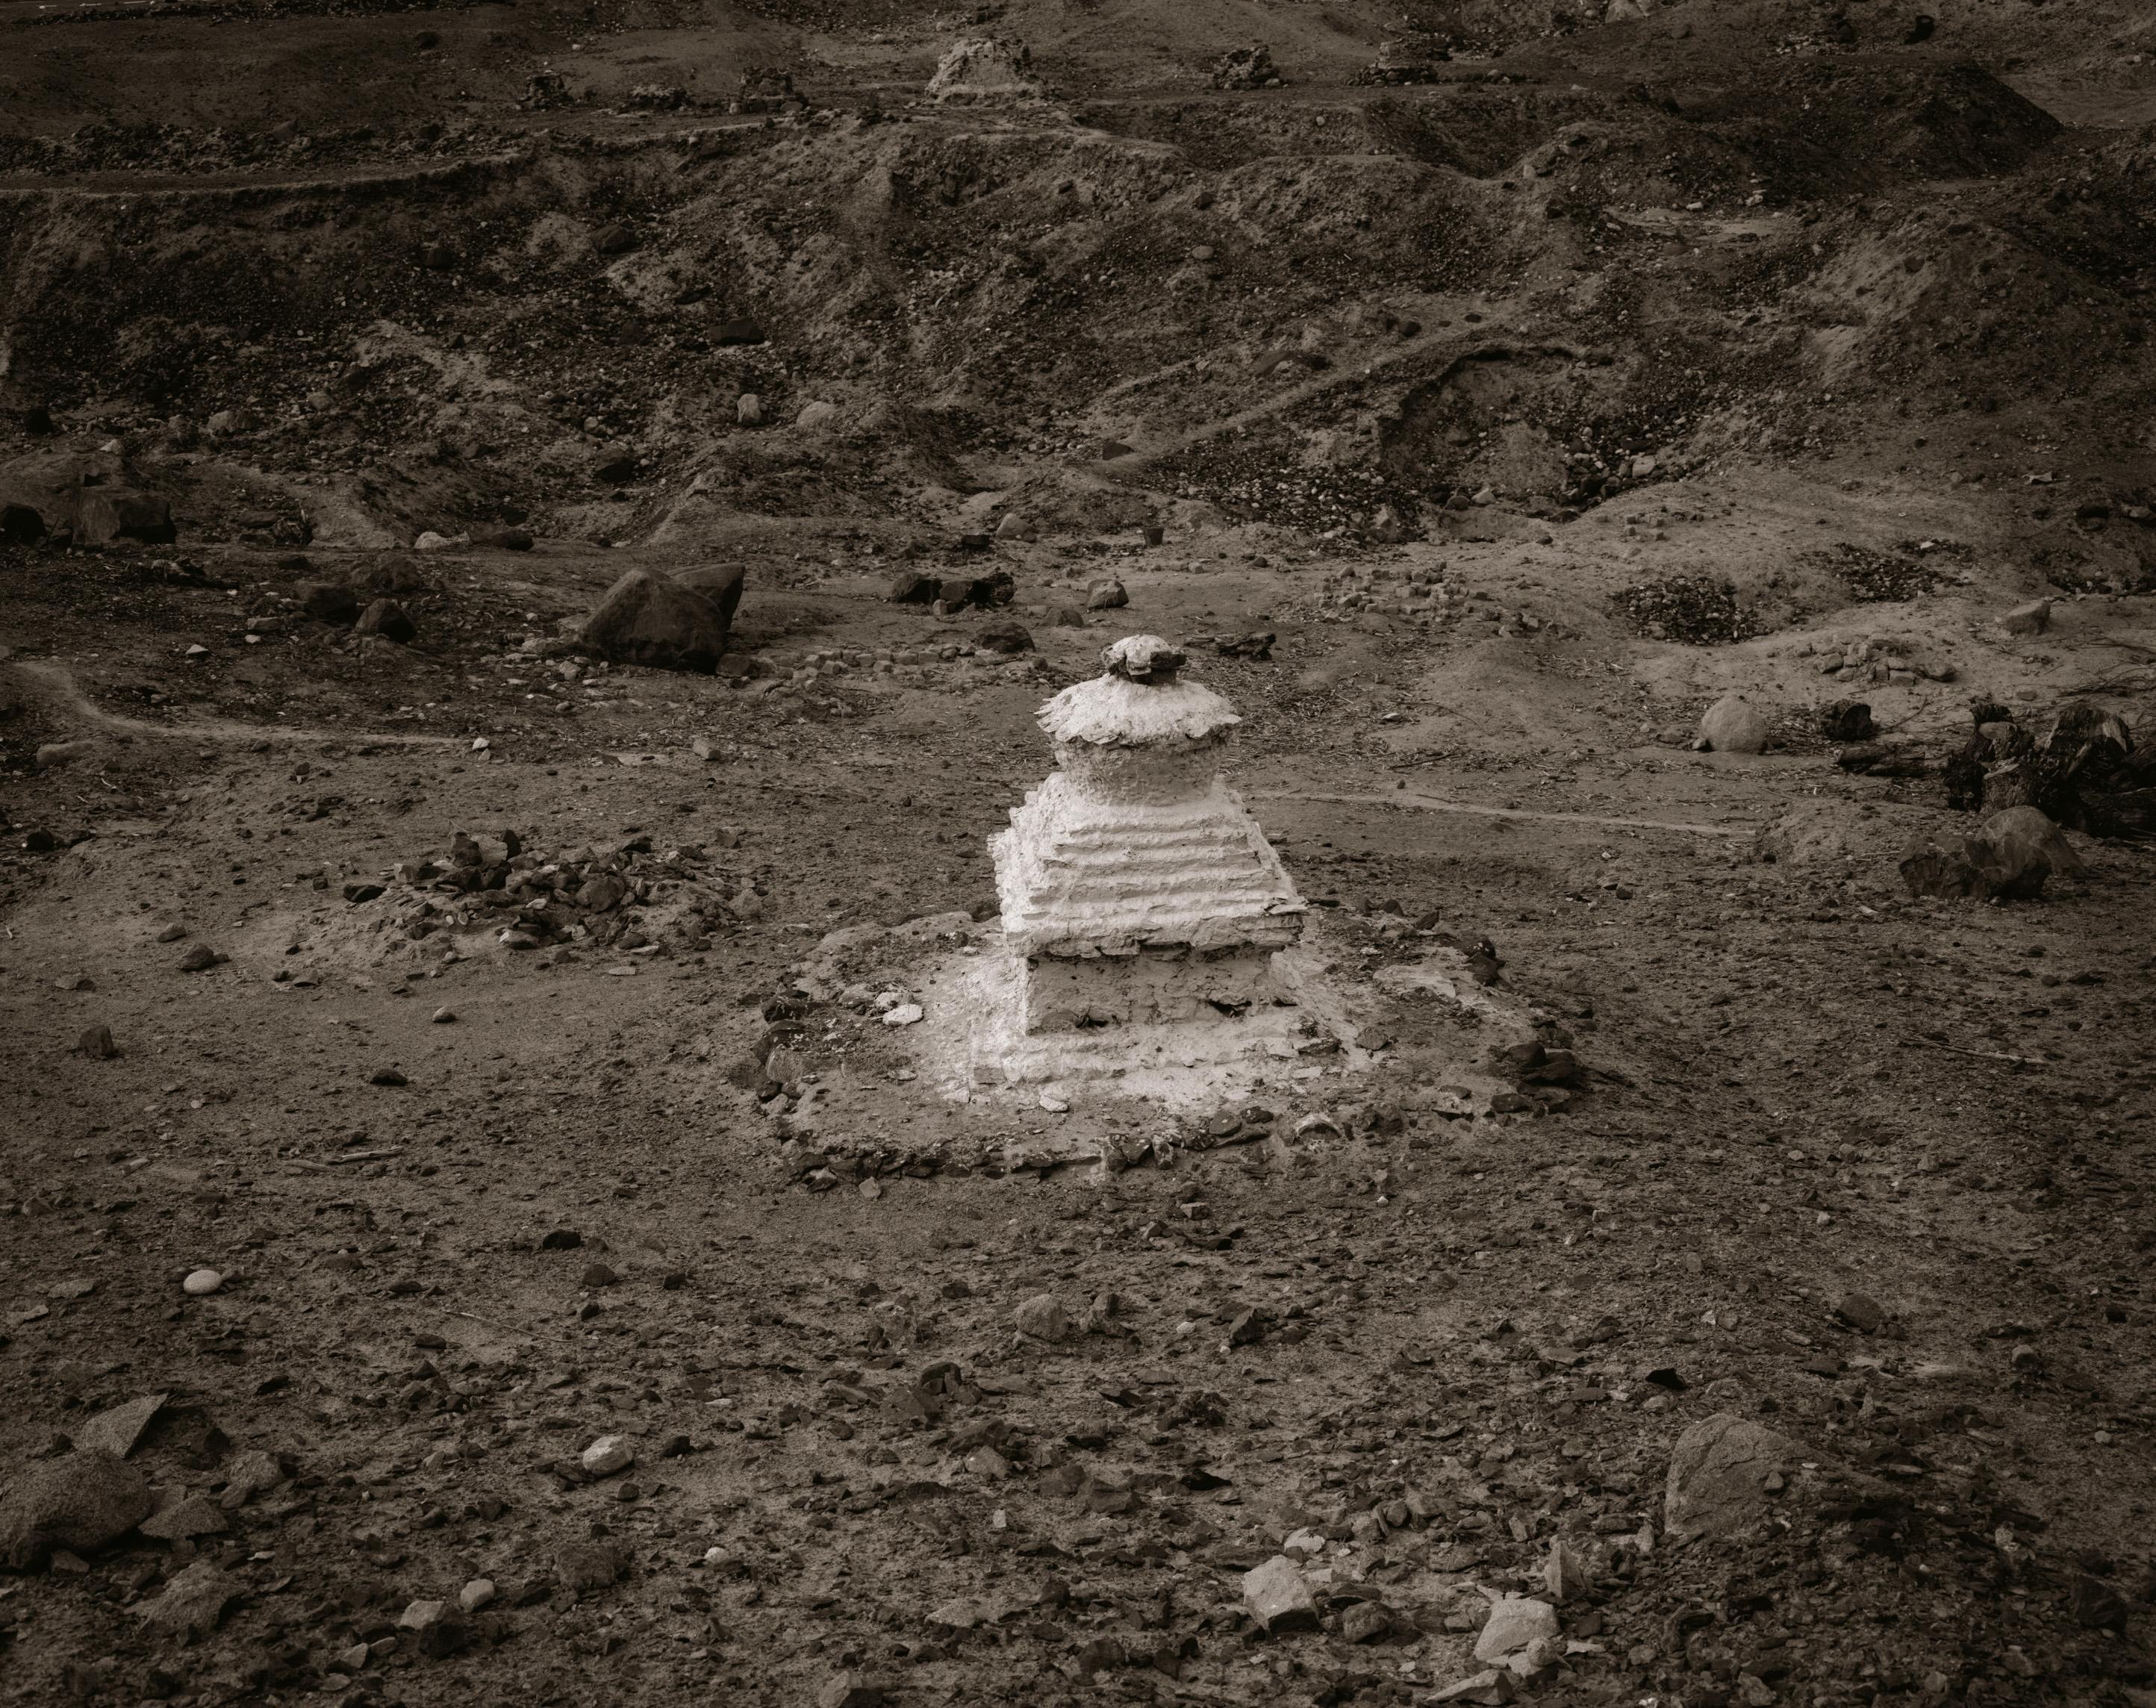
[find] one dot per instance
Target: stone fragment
(1006, 638)
(185, 1520)
(117, 1430)
(1733, 724)
(1365, 1622)
(388, 620)
(1278, 1598)
(2031, 618)
(1482, 1688)
(1564, 1573)
(479, 1593)
(607, 1456)
(194, 1601)
(1043, 1318)
(588, 1567)
(1717, 1479)
(386, 1076)
(200, 1283)
(79, 1503)
(749, 410)
(1862, 1312)
(252, 1473)
(199, 959)
(96, 1043)
(1107, 595)
(1515, 1623)
(852, 1689)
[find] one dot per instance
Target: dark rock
(1848, 720)
(78, 1503)
(388, 620)
(96, 1043)
(387, 1076)
(646, 619)
(1862, 1312)
(199, 959)
(616, 469)
(909, 586)
(1007, 637)
(503, 539)
(614, 239)
(561, 1239)
(738, 332)
(589, 1566)
(330, 602)
(2096, 1604)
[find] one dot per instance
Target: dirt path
(1434, 804)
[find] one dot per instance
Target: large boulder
(2021, 836)
(78, 1503)
(1733, 724)
(719, 582)
(81, 498)
(1724, 1473)
(647, 619)
(2008, 860)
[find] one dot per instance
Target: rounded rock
(202, 1282)
(1733, 724)
(607, 1456)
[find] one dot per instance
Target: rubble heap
(988, 68)
(1247, 67)
(628, 896)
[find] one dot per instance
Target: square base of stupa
(1209, 1053)
(1150, 987)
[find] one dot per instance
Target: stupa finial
(1143, 658)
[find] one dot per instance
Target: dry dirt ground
(1871, 1171)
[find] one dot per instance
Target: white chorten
(1136, 886)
